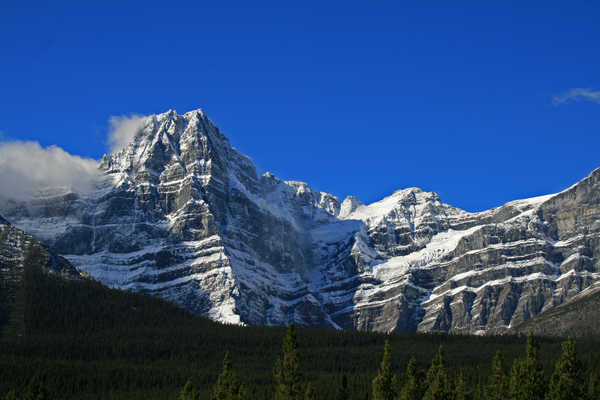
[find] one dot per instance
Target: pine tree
(412, 387)
(243, 393)
(227, 386)
(10, 396)
(310, 393)
(36, 391)
(567, 382)
(288, 384)
(497, 385)
(516, 381)
(593, 388)
(384, 383)
(480, 393)
(527, 375)
(461, 390)
(436, 381)
(343, 393)
(189, 391)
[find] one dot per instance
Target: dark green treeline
(571, 380)
(80, 340)
(525, 381)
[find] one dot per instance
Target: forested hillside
(69, 339)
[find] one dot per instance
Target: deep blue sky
(353, 97)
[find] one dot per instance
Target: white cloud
(27, 167)
(577, 94)
(123, 129)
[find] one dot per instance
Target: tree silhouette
(567, 382)
(384, 383)
(497, 382)
(342, 392)
(227, 386)
(189, 392)
(436, 381)
(412, 389)
(310, 393)
(461, 390)
(527, 375)
(288, 384)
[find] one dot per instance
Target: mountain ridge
(181, 214)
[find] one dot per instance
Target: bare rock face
(181, 214)
(576, 318)
(14, 245)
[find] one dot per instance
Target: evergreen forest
(77, 339)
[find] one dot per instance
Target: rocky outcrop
(181, 214)
(14, 247)
(576, 318)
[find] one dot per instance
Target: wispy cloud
(26, 168)
(123, 130)
(577, 94)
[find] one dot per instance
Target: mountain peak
(349, 205)
(270, 179)
(172, 114)
(197, 111)
(168, 141)
(407, 191)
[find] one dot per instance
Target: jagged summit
(349, 205)
(183, 215)
(169, 135)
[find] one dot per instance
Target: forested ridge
(81, 340)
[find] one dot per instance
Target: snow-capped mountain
(181, 214)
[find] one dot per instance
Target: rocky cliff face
(574, 319)
(181, 214)
(14, 246)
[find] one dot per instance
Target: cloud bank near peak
(27, 167)
(577, 94)
(123, 129)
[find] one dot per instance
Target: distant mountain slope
(577, 318)
(15, 245)
(49, 303)
(181, 214)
